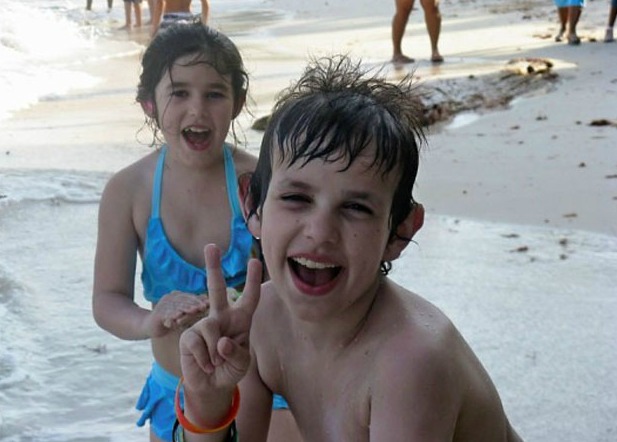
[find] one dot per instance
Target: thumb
(236, 356)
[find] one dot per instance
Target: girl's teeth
(190, 129)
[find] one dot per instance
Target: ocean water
(61, 377)
(538, 305)
(41, 65)
(45, 64)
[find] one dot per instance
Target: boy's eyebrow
(353, 194)
(296, 184)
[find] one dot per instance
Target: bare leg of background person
(432, 18)
(574, 13)
(399, 23)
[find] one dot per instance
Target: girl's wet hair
(334, 112)
(204, 44)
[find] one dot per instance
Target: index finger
(217, 288)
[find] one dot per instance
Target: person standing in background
(89, 5)
(432, 19)
(151, 7)
(612, 14)
(128, 22)
(569, 12)
(173, 11)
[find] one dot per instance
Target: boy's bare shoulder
(424, 358)
(269, 308)
(415, 330)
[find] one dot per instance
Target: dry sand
(536, 161)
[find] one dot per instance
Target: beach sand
(536, 163)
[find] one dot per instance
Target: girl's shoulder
(135, 177)
(244, 161)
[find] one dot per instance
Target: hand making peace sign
(214, 352)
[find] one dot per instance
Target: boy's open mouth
(313, 273)
(195, 137)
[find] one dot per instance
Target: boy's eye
(294, 198)
(357, 207)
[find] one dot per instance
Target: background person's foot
(573, 40)
(559, 36)
(608, 37)
(402, 59)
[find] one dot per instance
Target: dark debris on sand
(448, 97)
(444, 98)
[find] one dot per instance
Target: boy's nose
(322, 227)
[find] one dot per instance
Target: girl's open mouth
(196, 138)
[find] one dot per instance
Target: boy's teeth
(312, 264)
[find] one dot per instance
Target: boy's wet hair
(334, 112)
(204, 44)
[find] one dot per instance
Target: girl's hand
(176, 311)
(214, 353)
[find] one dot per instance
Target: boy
(358, 357)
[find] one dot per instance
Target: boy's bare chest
(332, 408)
(329, 394)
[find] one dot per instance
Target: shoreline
(535, 161)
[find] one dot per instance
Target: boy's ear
(253, 222)
(406, 230)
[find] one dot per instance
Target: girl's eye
(178, 93)
(215, 95)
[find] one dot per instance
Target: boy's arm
(214, 353)
(414, 397)
(513, 435)
(431, 387)
(254, 418)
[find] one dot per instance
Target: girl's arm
(113, 303)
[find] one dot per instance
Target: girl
(171, 203)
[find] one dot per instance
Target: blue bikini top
(164, 270)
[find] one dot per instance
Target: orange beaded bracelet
(189, 426)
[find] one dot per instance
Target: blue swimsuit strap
(232, 183)
(158, 179)
(230, 177)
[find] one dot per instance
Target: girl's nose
(197, 106)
